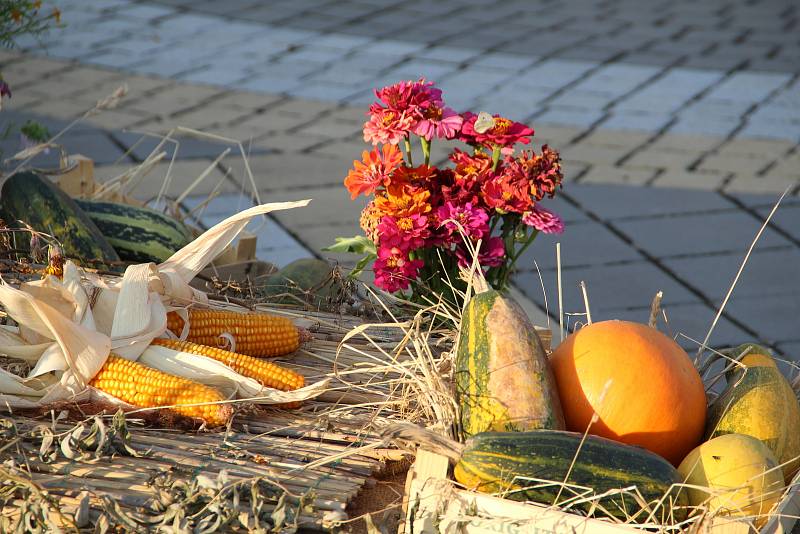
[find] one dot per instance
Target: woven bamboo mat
(300, 467)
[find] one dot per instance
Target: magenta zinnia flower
(394, 270)
(491, 254)
(474, 221)
(439, 122)
(543, 220)
(407, 232)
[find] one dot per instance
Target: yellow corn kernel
(146, 387)
(255, 333)
(266, 373)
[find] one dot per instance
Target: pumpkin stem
(655, 310)
(405, 435)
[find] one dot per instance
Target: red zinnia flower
(505, 132)
(508, 192)
(543, 171)
(410, 96)
(393, 268)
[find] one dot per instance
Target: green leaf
(357, 244)
(361, 265)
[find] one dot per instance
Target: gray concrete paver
(698, 72)
(583, 244)
(768, 272)
(611, 288)
(612, 202)
(775, 317)
(728, 231)
(688, 324)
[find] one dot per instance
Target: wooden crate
(433, 505)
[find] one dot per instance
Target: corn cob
(256, 334)
(266, 373)
(146, 387)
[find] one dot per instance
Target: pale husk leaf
(214, 373)
(195, 256)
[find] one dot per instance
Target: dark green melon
(139, 235)
(514, 464)
(28, 197)
(307, 279)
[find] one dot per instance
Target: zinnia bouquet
(421, 217)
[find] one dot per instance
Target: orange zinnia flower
(403, 200)
(370, 219)
(414, 175)
(374, 169)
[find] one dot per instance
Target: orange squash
(640, 383)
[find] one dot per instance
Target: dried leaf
(371, 528)
(279, 515)
(82, 518)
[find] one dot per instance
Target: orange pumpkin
(640, 383)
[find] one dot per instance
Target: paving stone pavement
(679, 126)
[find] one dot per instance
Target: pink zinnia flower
(473, 220)
(374, 169)
(439, 122)
(393, 268)
(408, 232)
(491, 254)
(543, 220)
(505, 133)
(387, 125)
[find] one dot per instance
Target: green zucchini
(514, 464)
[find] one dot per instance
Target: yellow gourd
(759, 402)
(741, 473)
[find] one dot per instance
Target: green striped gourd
(139, 235)
(503, 379)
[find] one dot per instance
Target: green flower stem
(408, 151)
(495, 157)
(522, 249)
(494, 224)
(426, 149)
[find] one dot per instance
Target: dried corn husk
(69, 338)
